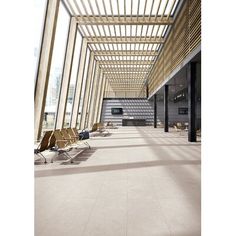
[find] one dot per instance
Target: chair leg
(45, 160)
(86, 143)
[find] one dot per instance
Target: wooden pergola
(125, 36)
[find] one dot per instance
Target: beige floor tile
(108, 217)
(139, 181)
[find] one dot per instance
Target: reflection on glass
(56, 68)
(71, 90)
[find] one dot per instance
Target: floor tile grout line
(93, 207)
(161, 209)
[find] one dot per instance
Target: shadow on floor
(144, 137)
(95, 135)
(149, 145)
(82, 156)
(112, 167)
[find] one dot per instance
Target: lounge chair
(44, 145)
(110, 125)
(63, 146)
(100, 129)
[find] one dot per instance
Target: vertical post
(91, 89)
(61, 110)
(100, 85)
(166, 120)
(155, 110)
(105, 83)
(94, 97)
(78, 86)
(86, 91)
(147, 91)
(191, 78)
(42, 79)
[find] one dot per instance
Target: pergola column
(86, 92)
(191, 78)
(78, 86)
(155, 110)
(166, 115)
(90, 97)
(45, 60)
(62, 100)
(147, 91)
(105, 82)
(94, 96)
(100, 85)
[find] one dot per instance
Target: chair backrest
(52, 141)
(66, 135)
(95, 127)
(71, 133)
(60, 141)
(100, 126)
(75, 131)
(179, 124)
(45, 140)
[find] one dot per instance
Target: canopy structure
(125, 36)
(93, 50)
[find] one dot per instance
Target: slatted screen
(184, 37)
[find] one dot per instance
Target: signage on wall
(183, 111)
(181, 95)
(116, 111)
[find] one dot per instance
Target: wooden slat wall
(184, 37)
(131, 90)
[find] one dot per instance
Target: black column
(166, 118)
(155, 110)
(191, 79)
(147, 91)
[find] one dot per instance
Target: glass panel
(56, 68)
(73, 78)
(83, 86)
(39, 14)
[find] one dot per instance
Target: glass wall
(56, 68)
(74, 71)
(39, 16)
(83, 86)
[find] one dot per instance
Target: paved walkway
(138, 181)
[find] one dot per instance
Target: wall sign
(183, 111)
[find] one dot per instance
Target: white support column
(93, 99)
(100, 84)
(42, 80)
(78, 87)
(91, 88)
(101, 99)
(86, 92)
(61, 108)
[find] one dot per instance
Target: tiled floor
(138, 181)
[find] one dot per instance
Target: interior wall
(174, 116)
(143, 109)
(137, 108)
